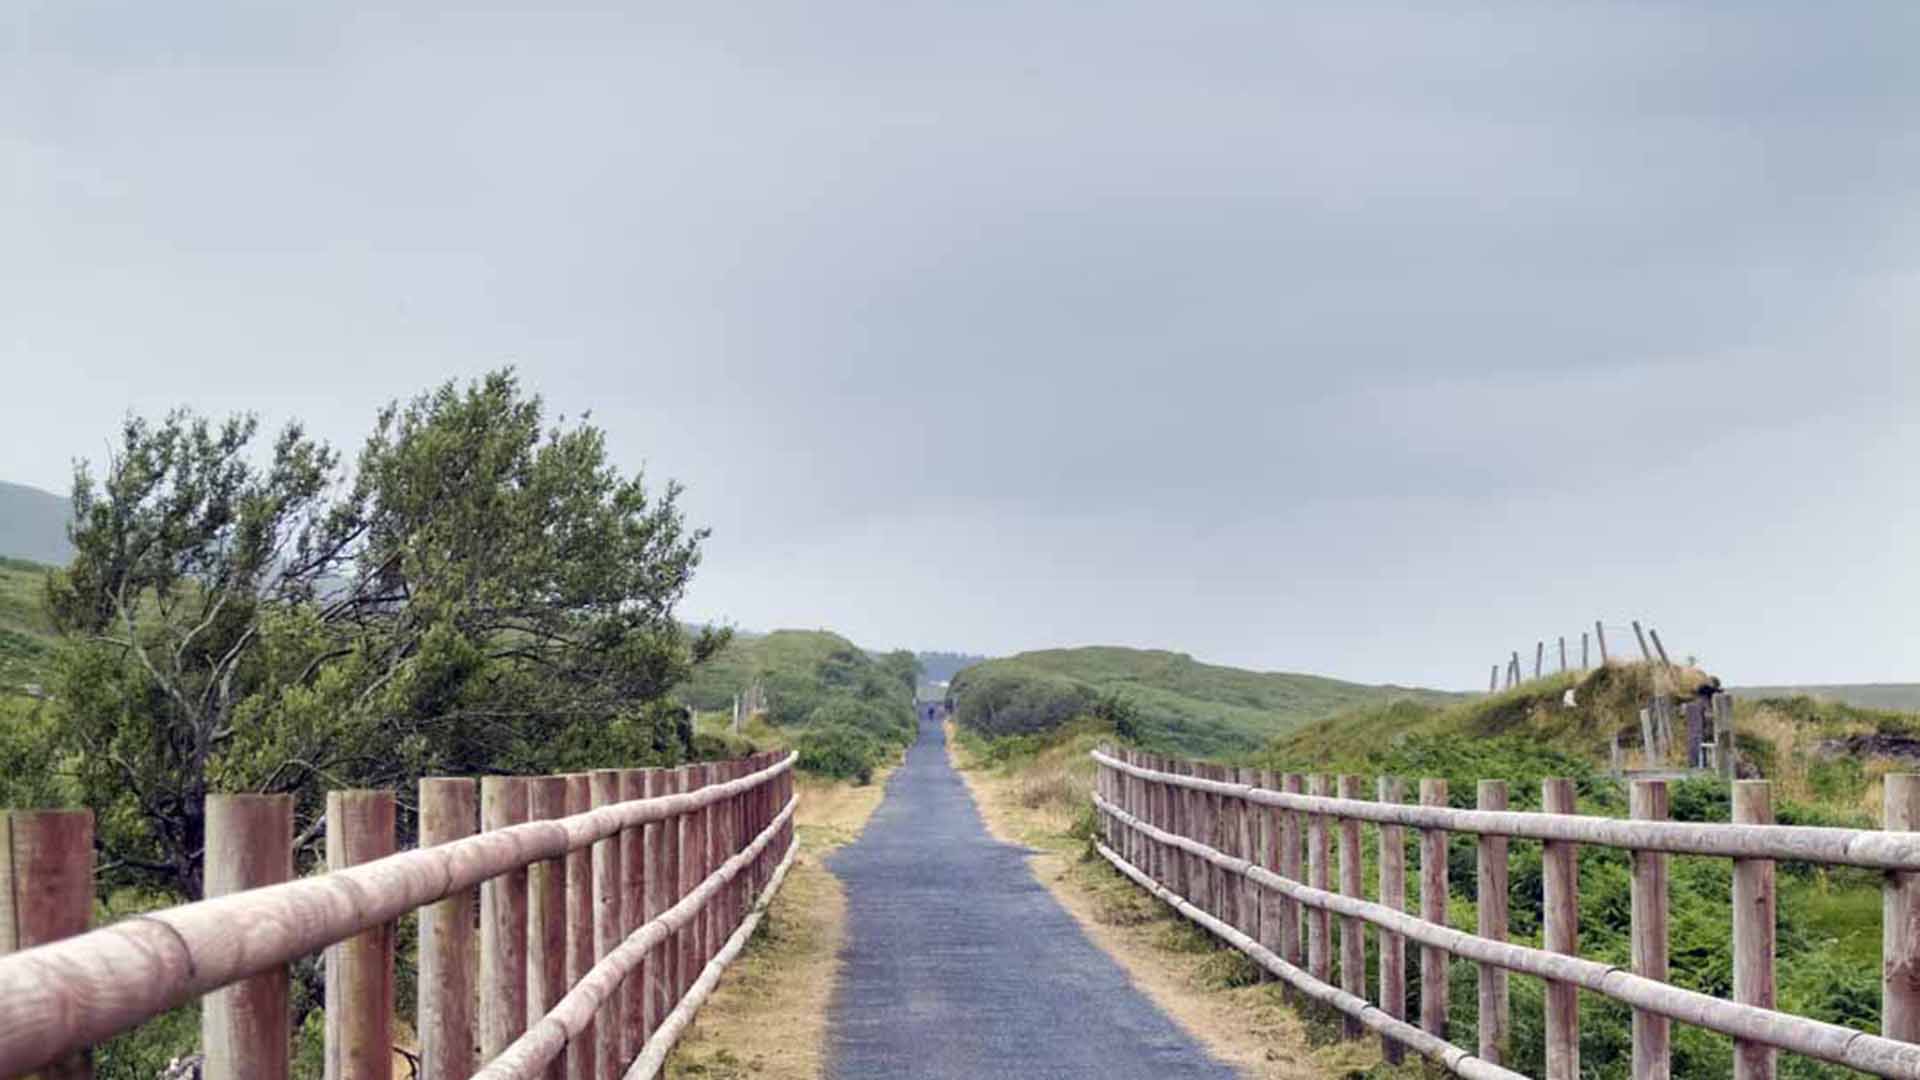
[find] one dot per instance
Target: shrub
(840, 752)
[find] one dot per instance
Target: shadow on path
(959, 964)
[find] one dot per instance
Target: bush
(840, 752)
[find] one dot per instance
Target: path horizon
(958, 963)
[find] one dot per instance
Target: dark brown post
(1753, 929)
(1560, 904)
(1900, 920)
(675, 782)
(713, 913)
(1539, 658)
(693, 854)
(1651, 1031)
(359, 994)
(1600, 639)
(1645, 653)
(633, 902)
(244, 1028)
(1393, 894)
(503, 925)
(46, 894)
(449, 811)
(580, 954)
(1353, 935)
(1319, 873)
(604, 790)
(1491, 872)
(659, 888)
(547, 913)
(1272, 904)
(1433, 908)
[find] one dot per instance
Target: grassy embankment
(1825, 761)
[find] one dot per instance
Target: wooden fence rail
(608, 905)
(1161, 824)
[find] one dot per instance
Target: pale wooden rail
(609, 904)
(1160, 824)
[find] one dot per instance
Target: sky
(1375, 340)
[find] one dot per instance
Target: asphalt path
(959, 964)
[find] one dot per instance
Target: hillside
(1904, 697)
(1178, 703)
(33, 524)
(25, 636)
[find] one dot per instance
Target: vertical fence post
(503, 925)
(1563, 655)
(1585, 663)
(603, 787)
(1353, 935)
(1393, 894)
(1600, 639)
(1272, 904)
(1560, 914)
(1319, 871)
(687, 829)
(1900, 920)
(1433, 908)
(547, 913)
(1249, 849)
(633, 899)
(659, 893)
(1753, 929)
(244, 1028)
(580, 951)
(1723, 752)
(1157, 807)
(1491, 886)
(1201, 824)
(359, 996)
(712, 933)
(46, 894)
(1291, 784)
(449, 811)
(1539, 658)
(1652, 1033)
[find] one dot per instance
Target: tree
(482, 593)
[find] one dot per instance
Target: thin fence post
(712, 932)
(1272, 903)
(1393, 894)
(1493, 679)
(1600, 639)
(1645, 653)
(1652, 1033)
(1753, 930)
(1319, 872)
(686, 939)
(1539, 658)
(1723, 752)
(1900, 920)
(547, 913)
(503, 925)
(449, 811)
(1491, 886)
(658, 899)
(1585, 663)
(604, 790)
(1353, 935)
(1433, 909)
(1201, 823)
(46, 894)
(1250, 893)
(1563, 655)
(244, 1028)
(1290, 932)
(580, 951)
(1560, 914)
(359, 992)
(633, 900)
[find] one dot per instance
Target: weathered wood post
(713, 933)
(1200, 822)
(1645, 653)
(1652, 1033)
(604, 790)
(1539, 658)
(1393, 894)
(677, 886)
(1585, 662)
(1600, 639)
(693, 855)
(1493, 679)
(245, 1028)
(659, 877)
(1753, 929)
(580, 950)
(1900, 920)
(449, 811)
(1659, 648)
(633, 900)
(1649, 742)
(1723, 752)
(1319, 872)
(1433, 908)
(359, 994)
(1353, 939)
(547, 913)
(1272, 905)
(1251, 894)
(1290, 915)
(1490, 869)
(46, 894)
(1560, 916)
(1563, 654)
(503, 925)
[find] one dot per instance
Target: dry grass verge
(768, 1017)
(1210, 991)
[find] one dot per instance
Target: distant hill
(1180, 703)
(33, 524)
(1900, 697)
(940, 667)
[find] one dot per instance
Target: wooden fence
(1225, 847)
(608, 905)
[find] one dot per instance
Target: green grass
(26, 637)
(1181, 704)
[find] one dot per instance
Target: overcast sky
(1366, 339)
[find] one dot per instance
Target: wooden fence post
(659, 898)
(1539, 658)
(359, 994)
(547, 913)
(1393, 894)
(1652, 1033)
(603, 789)
(1560, 916)
(1723, 752)
(1493, 680)
(1563, 654)
(1659, 648)
(1433, 908)
(1645, 653)
(503, 925)
(1272, 904)
(580, 953)
(46, 894)
(1600, 639)
(1585, 662)
(1491, 885)
(449, 811)
(693, 857)
(1900, 920)
(244, 1028)
(1290, 914)
(633, 901)
(1753, 929)
(1353, 935)
(1319, 871)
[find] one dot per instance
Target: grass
(26, 636)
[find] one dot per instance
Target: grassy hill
(1178, 703)
(25, 636)
(33, 524)
(1901, 697)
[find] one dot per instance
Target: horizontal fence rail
(1196, 835)
(608, 904)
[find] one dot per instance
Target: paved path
(959, 964)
